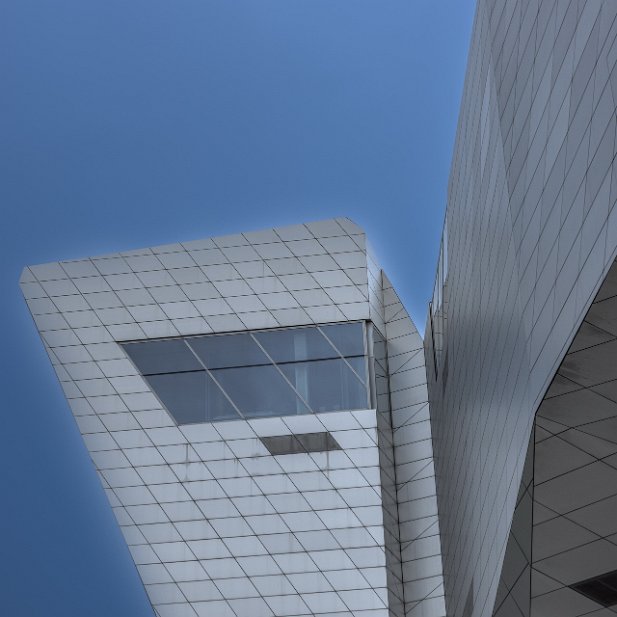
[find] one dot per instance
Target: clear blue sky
(129, 123)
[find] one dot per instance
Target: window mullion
(218, 385)
(283, 375)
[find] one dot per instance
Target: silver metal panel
(216, 524)
(530, 234)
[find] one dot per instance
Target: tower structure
(256, 408)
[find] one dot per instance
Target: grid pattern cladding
(575, 472)
(562, 548)
(216, 522)
(415, 471)
(532, 230)
(514, 591)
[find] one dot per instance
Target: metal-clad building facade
(530, 234)
(246, 400)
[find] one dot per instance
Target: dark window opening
(300, 444)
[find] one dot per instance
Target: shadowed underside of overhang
(562, 550)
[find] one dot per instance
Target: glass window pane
(228, 350)
(239, 368)
(259, 391)
(169, 356)
(359, 367)
(192, 397)
(296, 344)
(218, 406)
(329, 385)
(184, 395)
(348, 338)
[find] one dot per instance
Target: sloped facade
(530, 236)
(241, 506)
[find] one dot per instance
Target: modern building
(257, 405)
(256, 408)
(520, 341)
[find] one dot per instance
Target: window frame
(367, 355)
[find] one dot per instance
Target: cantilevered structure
(256, 408)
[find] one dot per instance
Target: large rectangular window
(257, 374)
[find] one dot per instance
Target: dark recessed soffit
(300, 444)
(601, 589)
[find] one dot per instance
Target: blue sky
(134, 123)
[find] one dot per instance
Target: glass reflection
(221, 377)
(192, 397)
(260, 391)
(296, 345)
(348, 338)
(229, 350)
(328, 385)
(168, 356)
